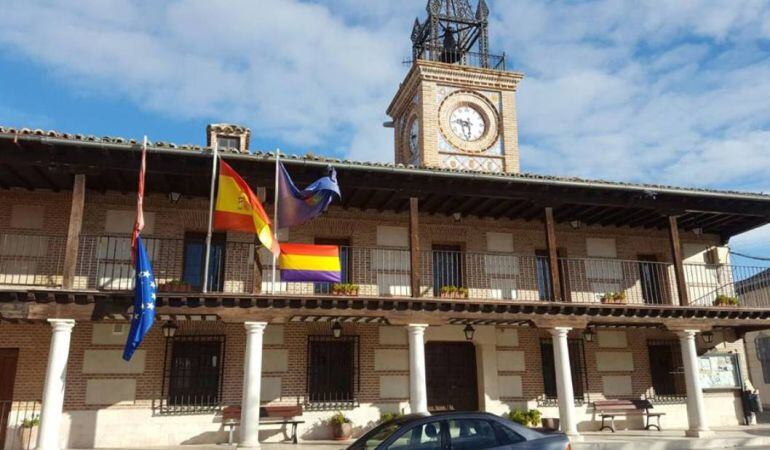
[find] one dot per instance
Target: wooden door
(9, 358)
(450, 369)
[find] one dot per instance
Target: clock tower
(456, 108)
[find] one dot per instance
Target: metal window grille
(577, 358)
(666, 371)
(193, 374)
(448, 267)
(13, 413)
(333, 372)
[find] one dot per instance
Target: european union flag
(144, 301)
(296, 207)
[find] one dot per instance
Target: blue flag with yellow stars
(144, 301)
(296, 206)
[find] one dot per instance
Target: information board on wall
(719, 371)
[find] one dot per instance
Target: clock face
(467, 123)
(414, 132)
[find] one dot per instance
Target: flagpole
(275, 214)
(211, 217)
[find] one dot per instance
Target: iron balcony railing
(31, 260)
(241, 267)
(462, 58)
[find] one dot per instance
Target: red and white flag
(139, 223)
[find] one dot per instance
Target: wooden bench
(609, 409)
(268, 415)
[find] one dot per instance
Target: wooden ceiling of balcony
(50, 164)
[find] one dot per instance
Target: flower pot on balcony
(345, 289)
(27, 437)
(726, 300)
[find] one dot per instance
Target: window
(447, 266)
(425, 436)
(224, 142)
(762, 343)
(666, 370)
(345, 263)
(195, 257)
(472, 434)
(577, 359)
(332, 371)
(543, 274)
(193, 373)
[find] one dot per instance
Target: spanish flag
(310, 263)
(238, 209)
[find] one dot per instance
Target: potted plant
(348, 289)
(518, 416)
(453, 292)
(447, 291)
(534, 416)
(726, 300)
(342, 427)
(614, 297)
(28, 432)
(529, 418)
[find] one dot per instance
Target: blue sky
(646, 91)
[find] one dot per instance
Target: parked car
(457, 431)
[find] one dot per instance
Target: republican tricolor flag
(239, 209)
(310, 263)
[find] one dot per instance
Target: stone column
(418, 391)
(55, 381)
(252, 383)
(696, 413)
(564, 389)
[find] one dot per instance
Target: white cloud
(655, 91)
(290, 70)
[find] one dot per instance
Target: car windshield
(376, 436)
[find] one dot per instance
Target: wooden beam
(414, 245)
(51, 184)
(73, 232)
(676, 257)
(384, 203)
(21, 179)
(481, 205)
(553, 256)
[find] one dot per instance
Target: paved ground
(754, 437)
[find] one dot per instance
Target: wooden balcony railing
(104, 264)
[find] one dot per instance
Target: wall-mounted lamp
(174, 196)
(169, 329)
(336, 330)
(457, 216)
(469, 331)
(588, 334)
(575, 224)
(708, 337)
(697, 231)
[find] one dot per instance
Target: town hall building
(467, 284)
